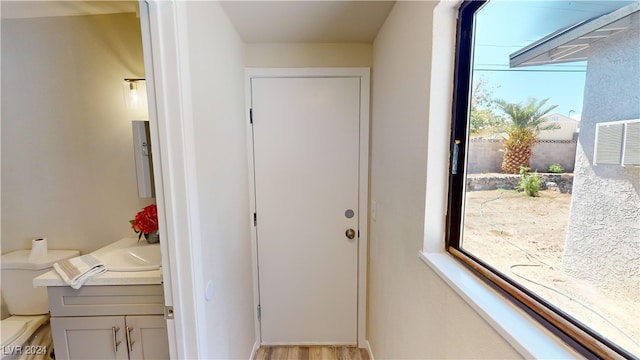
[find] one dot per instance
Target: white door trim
(164, 27)
(363, 174)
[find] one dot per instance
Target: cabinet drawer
(106, 300)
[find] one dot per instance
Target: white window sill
(526, 336)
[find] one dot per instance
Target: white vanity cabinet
(108, 322)
(110, 337)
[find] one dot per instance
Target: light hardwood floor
(311, 353)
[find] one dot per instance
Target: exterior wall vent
(631, 151)
(618, 143)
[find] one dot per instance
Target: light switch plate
(208, 292)
(374, 210)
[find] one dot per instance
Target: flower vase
(152, 238)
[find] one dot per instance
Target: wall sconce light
(130, 91)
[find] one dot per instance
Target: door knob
(350, 233)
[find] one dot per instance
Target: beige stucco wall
(68, 169)
(603, 237)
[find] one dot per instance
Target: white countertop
(150, 277)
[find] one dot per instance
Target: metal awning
(572, 43)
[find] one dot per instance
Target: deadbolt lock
(350, 233)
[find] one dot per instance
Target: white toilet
(26, 333)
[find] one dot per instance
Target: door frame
(363, 177)
(167, 73)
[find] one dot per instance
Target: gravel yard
(523, 237)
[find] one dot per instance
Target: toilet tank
(18, 272)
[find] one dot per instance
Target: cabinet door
(147, 337)
(100, 337)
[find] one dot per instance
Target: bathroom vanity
(115, 315)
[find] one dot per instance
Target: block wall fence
(485, 155)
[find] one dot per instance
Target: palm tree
(525, 121)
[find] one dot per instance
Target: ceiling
(20, 9)
(256, 21)
(308, 21)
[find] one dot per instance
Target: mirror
(143, 156)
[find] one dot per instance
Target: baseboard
(368, 347)
(256, 346)
(309, 343)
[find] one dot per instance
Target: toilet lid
(10, 330)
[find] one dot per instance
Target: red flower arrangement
(145, 222)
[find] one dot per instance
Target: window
(530, 208)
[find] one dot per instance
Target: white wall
(216, 55)
(68, 171)
(413, 314)
(309, 55)
(566, 131)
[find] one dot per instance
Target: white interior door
(306, 166)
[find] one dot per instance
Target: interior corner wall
(308, 55)
(68, 168)
(412, 313)
(216, 62)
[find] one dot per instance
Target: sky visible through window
(508, 26)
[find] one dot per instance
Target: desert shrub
(530, 182)
(555, 169)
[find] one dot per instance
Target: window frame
(571, 331)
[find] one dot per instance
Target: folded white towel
(76, 271)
